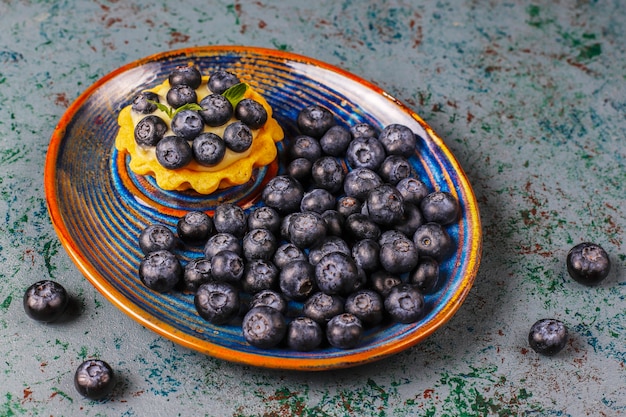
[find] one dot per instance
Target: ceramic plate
(99, 207)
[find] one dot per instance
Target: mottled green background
(530, 97)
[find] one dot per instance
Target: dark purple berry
(216, 110)
(142, 102)
(305, 147)
(160, 271)
(399, 256)
(335, 141)
(548, 336)
(306, 229)
(365, 253)
(304, 334)
(251, 113)
(360, 181)
(264, 327)
(173, 152)
(222, 241)
(344, 331)
(395, 168)
(365, 152)
(237, 137)
(217, 302)
(220, 81)
(297, 280)
(328, 173)
(588, 264)
(156, 237)
(315, 120)
(187, 124)
(412, 190)
(426, 275)
(179, 95)
(382, 282)
(328, 245)
(385, 205)
(227, 266)
(322, 307)
(367, 305)
(259, 244)
(196, 272)
(336, 273)
(94, 379)
(150, 130)
(230, 218)
(440, 207)
(185, 74)
(208, 149)
(270, 298)
(318, 200)
(286, 253)
(45, 301)
(398, 140)
(405, 303)
(258, 275)
(433, 241)
(264, 218)
(363, 130)
(283, 194)
(195, 227)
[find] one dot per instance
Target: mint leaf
(188, 106)
(235, 93)
(165, 109)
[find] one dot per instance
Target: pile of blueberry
(190, 139)
(349, 234)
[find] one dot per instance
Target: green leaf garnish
(235, 93)
(165, 109)
(188, 106)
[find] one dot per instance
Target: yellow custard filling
(235, 169)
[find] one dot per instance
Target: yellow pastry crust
(235, 169)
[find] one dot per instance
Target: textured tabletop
(529, 96)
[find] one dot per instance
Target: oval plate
(98, 207)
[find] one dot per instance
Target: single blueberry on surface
(315, 120)
(217, 302)
(548, 336)
(142, 102)
(588, 263)
(187, 124)
(94, 379)
(160, 271)
(237, 137)
(440, 207)
(173, 152)
(405, 303)
(45, 301)
(156, 237)
(264, 327)
(398, 139)
(150, 130)
(216, 110)
(195, 227)
(300, 169)
(185, 74)
(251, 113)
(230, 218)
(221, 80)
(208, 149)
(322, 307)
(344, 331)
(179, 95)
(365, 253)
(304, 334)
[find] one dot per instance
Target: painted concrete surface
(530, 97)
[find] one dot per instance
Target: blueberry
(283, 194)
(306, 229)
(270, 298)
(259, 244)
(45, 301)
(398, 140)
(264, 218)
(328, 245)
(334, 222)
(94, 379)
(258, 275)
(426, 275)
(322, 307)
(344, 331)
(335, 141)
(588, 263)
(195, 227)
(304, 334)
(230, 218)
(348, 205)
(179, 95)
(315, 120)
(360, 181)
(412, 190)
(399, 256)
(548, 336)
(328, 173)
(365, 253)
(363, 130)
(305, 147)
(222, 241)
(297, 280)
(359, 226)
(251, 113)
(405, 303)
(395, 168)
(221, 80)
(284, 225)
(160, 271)
(156, 237)
(142, 102)
(318, 200)
(185, 74)
(411, 219)
(385, 205)
(187, 124)
(286, 253)
(382, 282)
(196, 272)
(150, 130)
(208, 149)
(173, 152)
(336, 273)
(366, 305)
(440, 207)
(388, 236)
(217, 302)
(300, 169)
(365, 152)
(264, 327)
(237, 137)
(216, 110)
(432, 240)
(227, 266)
